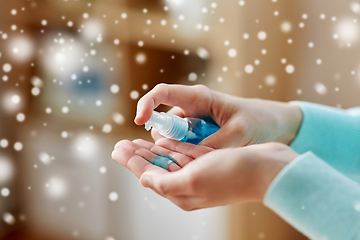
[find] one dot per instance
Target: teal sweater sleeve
(316, 199)
(317, 192)
(333, 135)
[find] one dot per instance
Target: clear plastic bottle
(192, 130)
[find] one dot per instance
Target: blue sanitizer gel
(191, 130)
(162, 161)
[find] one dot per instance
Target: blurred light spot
(290, 69)
(98, 103)
(270, 80)
(35, 91)
(56, 187)
(70, 24)
(249, 69)
(44, 22)
(202, 53)
(64, 134)
(140, 58)
(18, 146)
(118, 118)
(114, 88)
(355, 7)
(103, 170)
(65, 109)
(134, 94)
(107, 128)
(357, 206)
(4, 143)
(7, 67)
(109, 238)
(15, 99)
(13, 12)
(6, 169)
(286, 27)
(320, 88)
(232, 52)
(144, 86)
(246, 36)
(124, 15)
(85, 146)
(262, 35)
(347, 31)
(45, 158)
(140, 43)
(8, 218)
(5, 192)
(192, 77)
(113, 196)
(48, 110)
(20, 117)
(92, 29)
(36, 82)
(116, 41)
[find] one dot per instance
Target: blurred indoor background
(71, 72)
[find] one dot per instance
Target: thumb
(226, 136)
(171, 183)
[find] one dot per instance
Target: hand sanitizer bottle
(191, 130)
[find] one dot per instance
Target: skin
(243, 121)
(206, 177)
(235, 164)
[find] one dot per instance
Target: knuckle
(160, 186)
(240, 128)
(193, 183)
(184, 205)
(160, 87)
(202, 88)
(121, 143)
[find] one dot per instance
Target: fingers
(176, 111)
(186, 97)
(229, 135)
(136, 158)
(181, 158)
(189, 149)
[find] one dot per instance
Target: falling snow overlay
(72, 72)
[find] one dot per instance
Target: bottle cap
(168, 125)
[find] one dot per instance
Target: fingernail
(146, 182)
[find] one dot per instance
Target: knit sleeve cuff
(328, 132)
(316, 199)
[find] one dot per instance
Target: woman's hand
(242, 121)
(216, 178)
(136, 155)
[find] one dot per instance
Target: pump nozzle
(168, 125)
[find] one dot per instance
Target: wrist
(292, 122)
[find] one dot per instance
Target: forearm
(316, 199)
